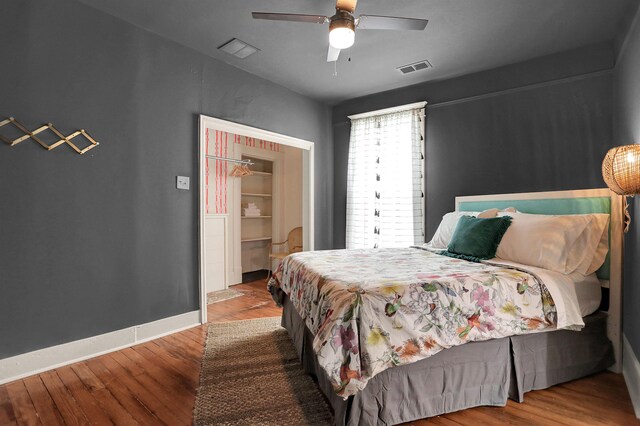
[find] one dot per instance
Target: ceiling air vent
(238, 48)
(422, 65)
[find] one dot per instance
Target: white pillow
(442, 237)
(601, 251)
(545, 241)
(445, 230)
(592, 246)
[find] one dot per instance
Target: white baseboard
(35, 362)
(631, 372)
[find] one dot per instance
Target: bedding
(588, 292)
(370, 310)
(581, 294)
(562, 289)
(562, 243)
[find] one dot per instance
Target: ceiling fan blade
(372, 22)
(291, 17)
(348, 5)
(332, 54)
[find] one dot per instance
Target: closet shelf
(254, 173)
(248, 194)
(248, 240)
(256, 217)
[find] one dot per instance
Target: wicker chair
(292, 244)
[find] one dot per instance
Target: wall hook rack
(63, 139)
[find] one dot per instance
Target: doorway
(229, 240)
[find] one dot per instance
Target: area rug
(251, 376)
(220, 295)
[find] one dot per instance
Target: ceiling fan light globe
(342, 37)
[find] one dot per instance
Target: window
(385, 197)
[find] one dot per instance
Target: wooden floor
(155, 383)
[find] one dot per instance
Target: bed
(394, 335)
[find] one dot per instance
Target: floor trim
(631, 372)
(35, 362)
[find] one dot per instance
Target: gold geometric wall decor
(63, 139)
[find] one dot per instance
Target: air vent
(422, 65)
(238, 48)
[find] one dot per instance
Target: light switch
(182, 182)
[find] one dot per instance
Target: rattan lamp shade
(621, 169)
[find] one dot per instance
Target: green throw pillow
(477, 237)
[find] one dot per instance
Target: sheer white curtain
(385, 197)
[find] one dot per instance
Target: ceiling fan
(343, 24)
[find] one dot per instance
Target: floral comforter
(374, 309)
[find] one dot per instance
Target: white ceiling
(463, 36)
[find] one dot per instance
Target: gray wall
(540, 125)
(627, 131)
(95, 243)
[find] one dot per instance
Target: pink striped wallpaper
(217, 143)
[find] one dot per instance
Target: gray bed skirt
(474, 374)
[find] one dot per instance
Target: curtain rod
(416, 105)
(231, 160)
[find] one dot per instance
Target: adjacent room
(332, 212)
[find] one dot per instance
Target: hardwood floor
(256, 303)
(155, 383)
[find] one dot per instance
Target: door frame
(307, 147)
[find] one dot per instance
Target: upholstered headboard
(573, 202)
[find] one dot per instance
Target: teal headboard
(549, 206)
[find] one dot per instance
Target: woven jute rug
(251, 375)
(221, 295)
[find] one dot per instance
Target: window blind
(385, 198)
